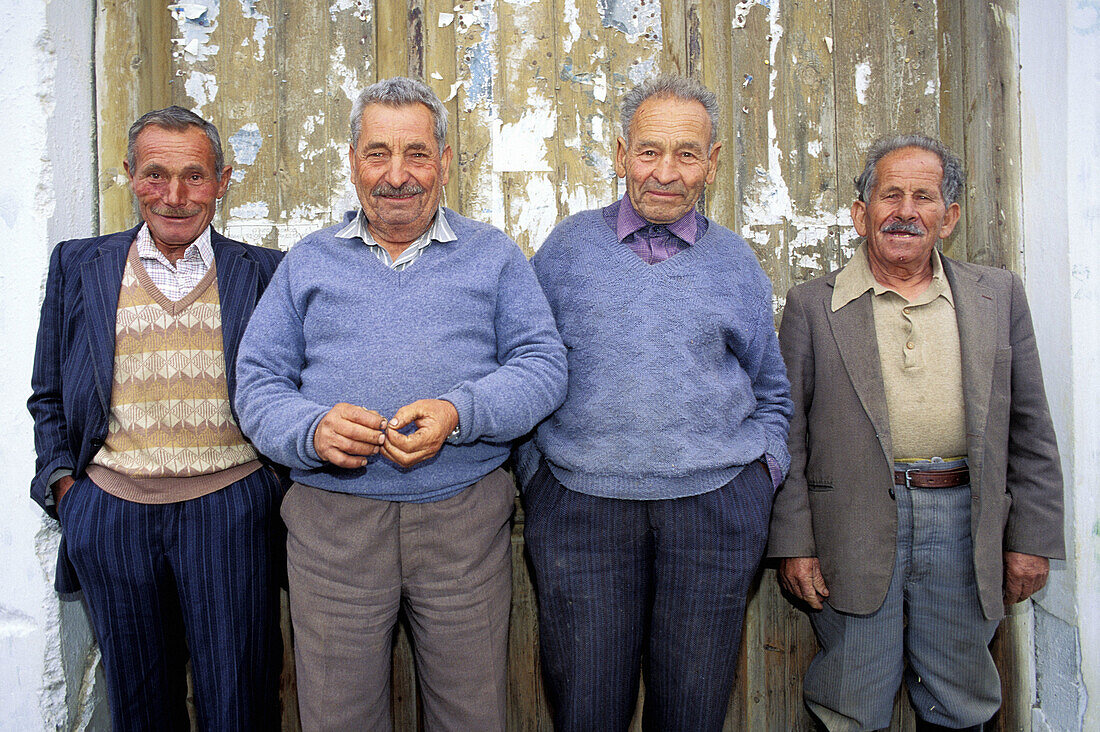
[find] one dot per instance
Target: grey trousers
(354, 562)
(930, 628)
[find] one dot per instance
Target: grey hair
(954, 177)
(670, 85)
(400, 91)
(177, 119)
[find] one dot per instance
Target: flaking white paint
(862, 81)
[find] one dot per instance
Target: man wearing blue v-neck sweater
(397, 356)
(647, 493)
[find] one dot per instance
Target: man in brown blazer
(925, 491)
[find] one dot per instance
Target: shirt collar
(199, 250)
(630, 221)
(856, 278)
(439, 230)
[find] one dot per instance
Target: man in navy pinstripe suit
(168, 516)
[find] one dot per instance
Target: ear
(129, 173)
(713, 162)
(445, 164)
(949, 221)
(223, 184)
(351, 165)
(859, 217)
(620, 157)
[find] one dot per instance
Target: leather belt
(916, 478)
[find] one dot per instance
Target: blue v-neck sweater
(467, 322)
(675, 376)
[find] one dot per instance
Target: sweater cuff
(308, 452)
(775, 470)
(464, 405)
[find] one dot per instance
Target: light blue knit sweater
(675, 376)
(467, 322)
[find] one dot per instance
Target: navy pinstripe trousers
(203, 570)
(657, 587)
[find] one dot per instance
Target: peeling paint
(255, 210)
(863, 81)
(636, 20)
(202, 88)
(246, 143)
(536, 211)
(570, 14)
(930, 87)
(196, 21)
(362, 9)
(263, 24)
(741, 13)
(481, 59)
(521, 146)
(597, 80)
(347, 76)
(445, 19)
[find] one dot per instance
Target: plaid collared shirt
(175, 280)
(439, 231)
(654, 242)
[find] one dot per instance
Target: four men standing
(394, 358)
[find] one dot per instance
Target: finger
(361, 416)
(401, 457)
(356, 432)
(819, 584)
(343, 460)
(352, 447)
(808, 593)
(408, 414)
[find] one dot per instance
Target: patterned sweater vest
(171, 435)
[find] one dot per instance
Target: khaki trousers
(353, 562)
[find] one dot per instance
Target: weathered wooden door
(532, 89)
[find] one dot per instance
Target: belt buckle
(908, 484)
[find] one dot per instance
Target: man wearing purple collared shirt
(648, 492)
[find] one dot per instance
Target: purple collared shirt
(653, 242)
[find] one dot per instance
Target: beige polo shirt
(918, 349)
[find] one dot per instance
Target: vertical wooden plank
(477, 55)
(391, 26)
(721, 77)
(992, 133)
(674, 42)
(524, 157)
(527, 707)
(133, 56)
(440, 73)
(952, 52)
(587, 102)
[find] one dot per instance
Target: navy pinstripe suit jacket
(74, 357)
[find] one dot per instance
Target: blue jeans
(652, 587)
(930, 629)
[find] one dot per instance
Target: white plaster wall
(1060, 110)
(47, 192)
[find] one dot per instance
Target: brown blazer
(836, 503)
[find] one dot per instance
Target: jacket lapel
(853, 328)
(100, 281)
(237, 286)
(976, 314)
